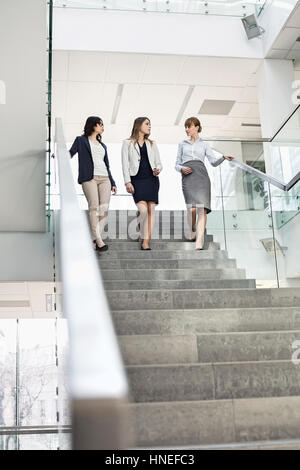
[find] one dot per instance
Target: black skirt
(145, 189)
(146, 185)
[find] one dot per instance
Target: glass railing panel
(8, 387)
(282, 159)
(39, 442)
(286, 205)
(63, 396)
(286, 209)
(8, 442)
(248, 224)
(282, 153)
(195, 7)
(38, 439)
(37, 373)
(31, 392)
(261, 6)
(224, 180)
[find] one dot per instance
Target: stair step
(169, 238)
(283, 444)
(207, 348)
(216, 422)
(207, 355)
(179, 245)
(164, 254)
(188, 382)
(180, 284)
(144, 263)
(171, 274)
(198, 321)
(205, 298)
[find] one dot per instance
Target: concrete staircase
(208, 356)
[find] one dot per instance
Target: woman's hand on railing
(228, 157)
(53, 155)
(186, 170)
(129, 188)
(114, 189)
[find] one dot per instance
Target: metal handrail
(264, 176)
(97, 380)
(33, 430)
(268, 178)
(258, 173)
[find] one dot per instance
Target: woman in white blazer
(141, 167)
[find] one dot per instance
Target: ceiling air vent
(249, 124)
(216, 107)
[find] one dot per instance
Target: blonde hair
(136, 128)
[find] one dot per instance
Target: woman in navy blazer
(94, 175)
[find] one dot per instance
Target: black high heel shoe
(102, 248)
(144, 249)
(98, 248)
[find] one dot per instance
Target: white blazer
(131, 157)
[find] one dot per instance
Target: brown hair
(193, 120)
(90, 124)
(136, 128)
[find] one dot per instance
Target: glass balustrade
(254, 220)
(195, 7)
(33, 400)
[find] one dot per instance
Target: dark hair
(136, 128)
(195, 121)
(90, 124)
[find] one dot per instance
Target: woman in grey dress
(195, 179)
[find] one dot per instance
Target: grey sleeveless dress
(196, 186)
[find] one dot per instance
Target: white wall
(26, 256)
(114, 31)
(23, 69)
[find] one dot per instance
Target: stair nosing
(218, 333)
(202, 364)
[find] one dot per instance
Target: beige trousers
(97, 192)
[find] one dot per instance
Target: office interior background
(62, 61)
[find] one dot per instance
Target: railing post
(273, 230)
(223, 212)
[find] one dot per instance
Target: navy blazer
(82, 146)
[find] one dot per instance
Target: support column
(275, 94)
(23, 110)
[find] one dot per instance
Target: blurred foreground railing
(97, 383)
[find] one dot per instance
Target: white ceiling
(286, 45)
(86, 83)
